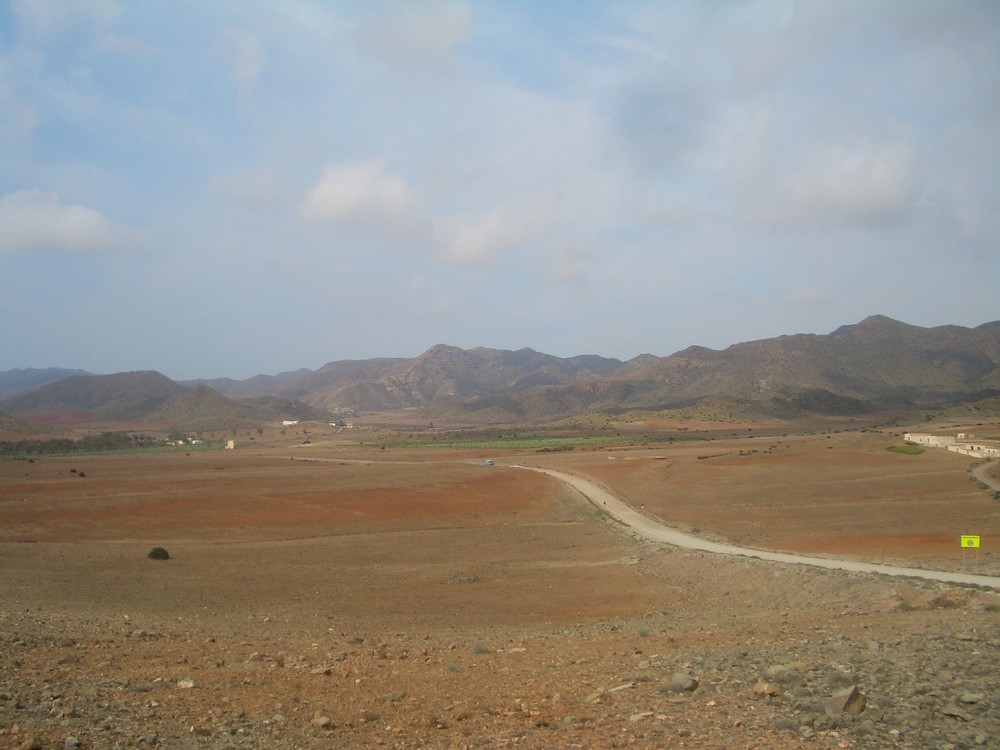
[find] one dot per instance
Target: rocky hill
(16, 382)
(149, 398)
(441, 373)
(96, 396)
(202, 408)
(874, 365)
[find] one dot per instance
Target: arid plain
(344, 594)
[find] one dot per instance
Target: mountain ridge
(877, 363)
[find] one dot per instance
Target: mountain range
(874, 365)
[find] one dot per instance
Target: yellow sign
(970, 541)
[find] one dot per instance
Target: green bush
(158, 553)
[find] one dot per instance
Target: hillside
(876, 365)
(441, 373)
(16, 382)
(13, 427)
(93, 396)
(202, 408)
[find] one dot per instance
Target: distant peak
(443, 349)
(871, 323)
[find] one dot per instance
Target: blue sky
(229, 188)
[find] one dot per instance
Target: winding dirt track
(657, 532)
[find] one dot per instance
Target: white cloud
(363, 195)
(419, 33)
(842, 185)
(36, 222)
(481, 237)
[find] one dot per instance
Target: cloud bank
(605, 178)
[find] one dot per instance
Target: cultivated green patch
(908, 449)
(529, 442)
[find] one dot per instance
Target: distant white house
(963, 443)
(976, 450)
(935, 441)
(289, 422)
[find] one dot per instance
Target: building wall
(921, 438)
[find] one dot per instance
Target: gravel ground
(762, 656)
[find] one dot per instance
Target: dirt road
(654, 530)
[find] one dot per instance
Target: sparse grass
(479, 648)
(451, 666)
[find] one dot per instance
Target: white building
(934, 441)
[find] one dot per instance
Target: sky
(234, 187)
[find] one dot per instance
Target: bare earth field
(336, 596)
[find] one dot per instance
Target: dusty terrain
(341, 595)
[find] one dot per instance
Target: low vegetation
(105, 442)
(547, 443)
(158, 553)
(908, 449)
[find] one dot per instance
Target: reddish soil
(416, 598)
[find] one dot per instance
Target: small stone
(972, 697)
(619, 688)
(766, 689)
(186, 684)
(640, 716)
(322, 722)
(850, 701)
(680, 683)
(957, 713)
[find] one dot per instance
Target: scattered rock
(766, 689)
(321, 721)
(681, 682)
(850, 701)
(957, 713)
(619, 688)
(953, 598)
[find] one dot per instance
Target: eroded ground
(339, 595)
